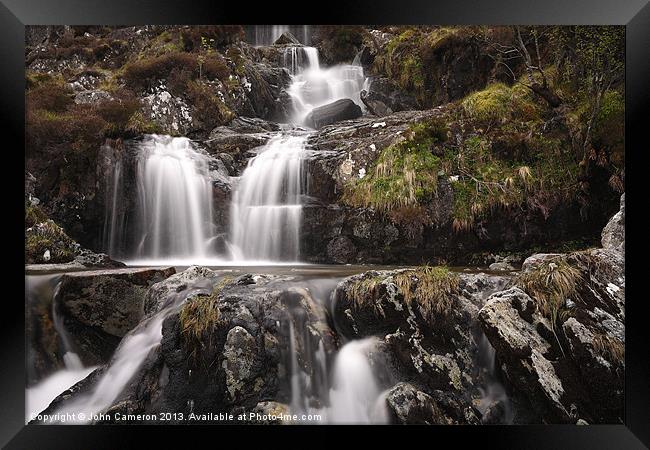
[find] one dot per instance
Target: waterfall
(296, 59)
(493, 392)
(353, 397)
(173, 217)
(70, 358)
(39, 396)
(267, 34)
(129, 357)
(266, 209)
(316, 86)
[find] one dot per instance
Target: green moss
(33, 214)
(490, 105)
(404, 175)
(45, 236)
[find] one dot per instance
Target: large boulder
(613, 235)
(409, 406)
(343, 109)
(287, 38)
(99, 307)
(383, 97)
(560, 333)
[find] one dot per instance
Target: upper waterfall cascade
(172, 219)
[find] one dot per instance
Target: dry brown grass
(200, 319)
(550, 285)
(609, 347)
(432, 289)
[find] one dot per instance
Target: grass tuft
(609, 347)
(200, 320)
(550, 285)
(429, 288)
(405, 174)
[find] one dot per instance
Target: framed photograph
(380, 215)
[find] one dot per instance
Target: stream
(173, 226)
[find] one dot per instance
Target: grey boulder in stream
(343, 109)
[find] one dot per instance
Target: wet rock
(383, 97)
(435, 347)
(337, 111)
(160, 293)
(503, 266)
(572, 368)
(240, 355)
(495, 414)
(341, 250)
(90, 259)
(238, 358)
(613, 235)
(534, 261)
(287, 38)
(101, 306)
(410, 406)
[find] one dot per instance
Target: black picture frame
(15, 14)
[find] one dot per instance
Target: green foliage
(489, 105)
(210, 110)
(33, 214)
(609, 130)
(200, 37)
(45, 236)
(405, 174)
(486, 182)
(499, 103)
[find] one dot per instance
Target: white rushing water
(315, 86)
(128, 358)
(355, 397)
(173, 219)
(266, 208)
(493, 392)
(39, 396)
(349, 394)
(268, 34)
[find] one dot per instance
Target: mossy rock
(48, 238)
